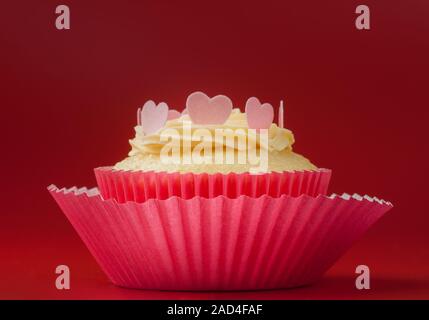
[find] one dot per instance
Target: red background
(356, 101)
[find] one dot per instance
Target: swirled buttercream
(147, 150)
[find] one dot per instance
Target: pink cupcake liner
(140, 186)
(218, 243)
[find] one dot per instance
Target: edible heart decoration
(173, 114)
(259, 116)
(153, 117)
(205, 110)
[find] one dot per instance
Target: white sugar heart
(153, 117)
(205, 110)
(259, 116)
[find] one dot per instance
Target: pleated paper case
(219, 243)
(140, 186)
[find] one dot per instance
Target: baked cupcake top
(212, 137)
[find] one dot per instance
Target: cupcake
(237, 154)
(173, 216)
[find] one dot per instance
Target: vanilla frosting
(146, 149)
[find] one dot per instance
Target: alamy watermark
(222, 146)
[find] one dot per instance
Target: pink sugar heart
(173, 114)
(153, 117)
(259, 116)
(205, 110)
